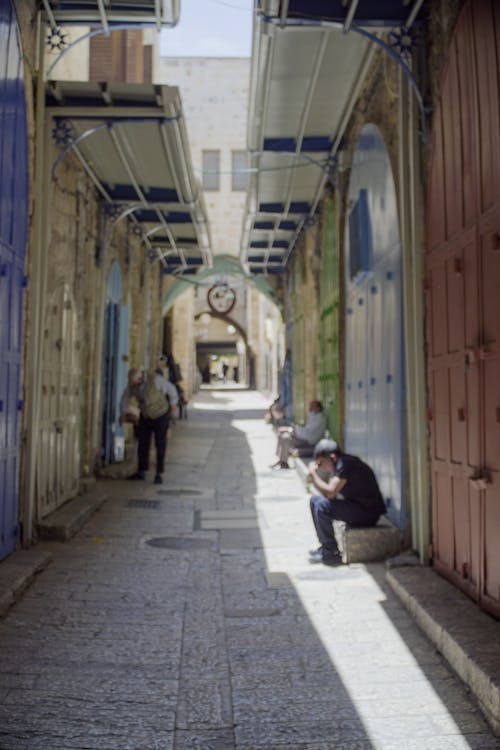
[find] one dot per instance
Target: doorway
(13, 235)
(114, 369)
(463, 305)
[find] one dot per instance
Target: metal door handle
(480, 482)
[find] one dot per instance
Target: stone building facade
(74, 256)
(407, 224)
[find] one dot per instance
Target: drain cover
(141, 503)
(179, 543)
(179, 492)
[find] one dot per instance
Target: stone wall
(214, 95)
(76, 256)
(378, 104)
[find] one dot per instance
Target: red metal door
(463, 283)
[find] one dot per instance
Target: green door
(298, 346)
(329, 322)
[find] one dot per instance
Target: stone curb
(67, 520)
(17, 573)
(466, 637)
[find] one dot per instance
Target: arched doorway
(220, 346)
(13, 234)
(374, 374)
(58, 457)
(463, 304)
(114, 371)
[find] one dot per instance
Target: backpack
(154, 403)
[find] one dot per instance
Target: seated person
(350, 493)
(275, 415)
(300, 437)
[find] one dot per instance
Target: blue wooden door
(114, 374)
(118, 446)
(111, 332)
(374, 374)
(13, 229)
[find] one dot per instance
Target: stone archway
(244, 356)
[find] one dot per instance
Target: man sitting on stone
(296, 437)
(350, 493)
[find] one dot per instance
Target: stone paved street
(186, 617)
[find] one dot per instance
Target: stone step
(359, 545)
(67, 520)
(466, 637)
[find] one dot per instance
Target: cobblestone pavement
(187, 617)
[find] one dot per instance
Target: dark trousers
(145, 429)
(324, 511)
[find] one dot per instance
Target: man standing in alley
(350, 493)
(300, 437)
(157, 399)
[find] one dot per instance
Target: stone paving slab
(223, 638)
(17, 572)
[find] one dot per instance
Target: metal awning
(132, 142)
(309, 61)
(110, 13)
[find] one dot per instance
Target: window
(360, 239)
(211, 168)
(239, 165)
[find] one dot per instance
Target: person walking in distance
(157, 399)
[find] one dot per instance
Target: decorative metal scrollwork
(56, 39)
(62, 133)
(403, 41)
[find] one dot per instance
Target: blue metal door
(114, 376)
(110, 351)
(118, 446)
(374, 376)
(13, 230)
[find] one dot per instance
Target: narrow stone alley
(186, 617)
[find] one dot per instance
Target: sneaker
(137, 475)
(158, 479)
(280, 465)
(328, 558)
(318, 549)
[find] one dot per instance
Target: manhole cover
(179, 492)
(169, 542)
(141, 503)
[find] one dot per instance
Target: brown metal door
(463, 294)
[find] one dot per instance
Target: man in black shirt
(350, 494)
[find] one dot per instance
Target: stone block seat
(359, 544)
(368, 544)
